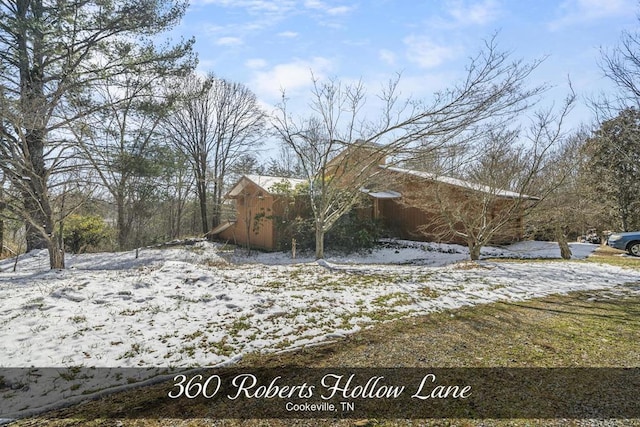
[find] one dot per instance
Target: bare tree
(494, 88)
(568, 210)
(503, 180)
(240, 127)
(215, 121)
(190, 128)
(622, 66)
(51, 54)
(178, 182)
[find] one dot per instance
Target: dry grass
(607, 255)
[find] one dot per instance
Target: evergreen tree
(51, 55)
(121, 141)
(614, 168)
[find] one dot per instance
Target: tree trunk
(36, 197)
(217, 201)
(32, 100)
(202, 197)
(624, 222)
(56, 254)
(565, 251)
(40, 229)
(319, 242)
(178, 220)
(123, 227)
(474, 250)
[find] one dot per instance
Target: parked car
(629, 242)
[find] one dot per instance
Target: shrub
(84, 231)
(298, 228)
(352, 233)
(349, 234)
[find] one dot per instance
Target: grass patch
(136, 349)
(274, 284)
(193, 336)
(583, 329)
(129, 312)
(78, 319)
(617, 261)
(222, 348)
(428, 293)
(385, 315)
(239, 325)
(395, 299)
(607, 255)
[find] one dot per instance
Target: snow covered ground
(187, 306)
(191, 306)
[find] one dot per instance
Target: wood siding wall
(246, 231)
(417, 215)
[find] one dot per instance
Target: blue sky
(273, 44)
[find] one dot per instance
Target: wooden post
(293, 248)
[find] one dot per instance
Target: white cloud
(326, 8)
(426, 53)
(253, 6)
(340, 10)
(466, 13)
(255, 63)
(278, 7)
(574, 12)
(229, 41)
(480, 13)
(262, 15)
(288, 34)
(292, 77)
(387, 56)
(314, 4)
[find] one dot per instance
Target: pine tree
(614, 168)
(51, 55)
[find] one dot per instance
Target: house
(259, 201)
(407, 203)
